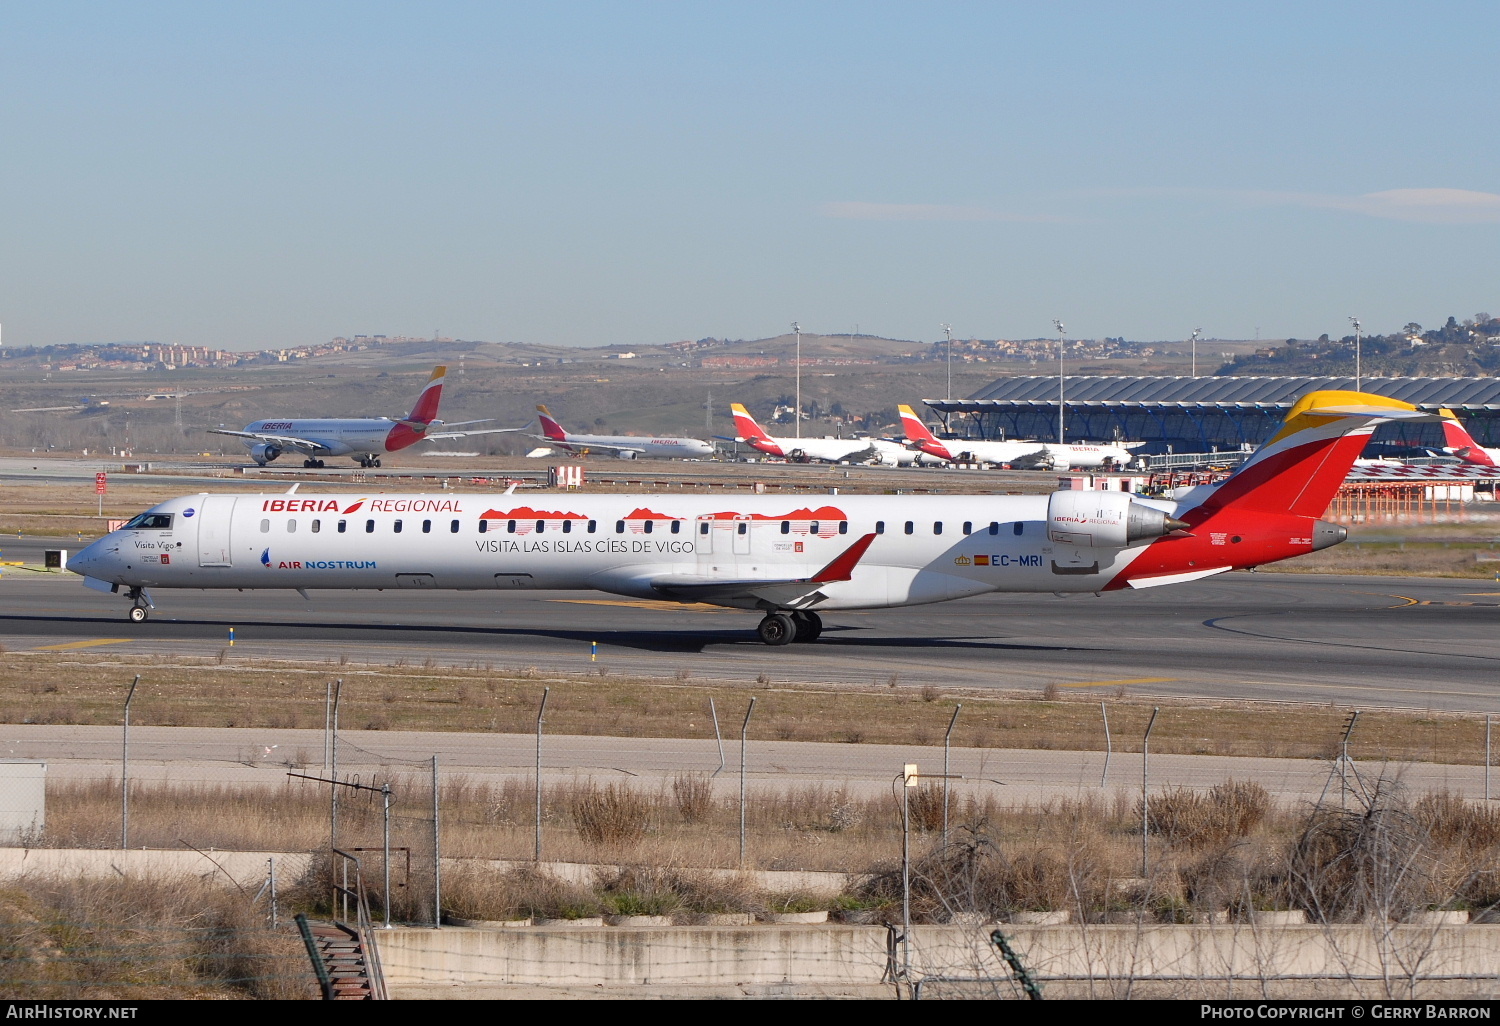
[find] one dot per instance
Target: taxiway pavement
(1355, 641)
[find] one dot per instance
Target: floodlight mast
(948, 331)
(1196, 333)
(797, 416)
(1060, 330)
(1355, 321)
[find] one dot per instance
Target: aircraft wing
(778, 592)
(465, 434)
(585, 446)
(285, 441)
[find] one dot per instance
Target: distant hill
(1469, 348)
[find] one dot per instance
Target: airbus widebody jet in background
(1073, 456)
(824, 450)
(624, 446)
(363, 439)
(790, 563)
(1458, 442)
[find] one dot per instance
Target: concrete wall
(246, 868)
(23, 800)
(852, 959)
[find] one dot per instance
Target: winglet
(842, 567)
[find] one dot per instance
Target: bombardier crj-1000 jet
(625, 446)
(363, 439)
(793, 564)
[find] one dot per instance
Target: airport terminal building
(1202, 414)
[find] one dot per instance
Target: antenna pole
(797, 417)
(949, 333)
(1357, 375)
(1060, 331)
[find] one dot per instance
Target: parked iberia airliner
(791, 562)
(363, 439)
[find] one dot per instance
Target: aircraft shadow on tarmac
(642, 640)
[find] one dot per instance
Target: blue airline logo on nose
(189, 511)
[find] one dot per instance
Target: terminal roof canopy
(1218, 392)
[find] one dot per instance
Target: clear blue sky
(267, 174)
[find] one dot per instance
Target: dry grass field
(62, 688)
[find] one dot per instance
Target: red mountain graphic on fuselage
(821, 513)
(527, 513)
(648, 514)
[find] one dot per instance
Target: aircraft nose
(91, 561)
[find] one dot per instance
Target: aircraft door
(703, 544)
(215, 518)
(742, 537)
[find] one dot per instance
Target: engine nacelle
(264, 453)
(1104, 520)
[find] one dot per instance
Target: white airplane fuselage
(339, 437)
(636, 446)
(613, 543)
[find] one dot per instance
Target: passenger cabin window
(510, 527)
(567, 526)
(843, 527)
(343, 525)
(619, 527)
(786, 527)
(937, 527)
(994, 527)
(369, 527)
(453, 526)
(968, 527)
(291, 527)
(677, 527)
(880, 527)
(1017, 527)
(742, 527)
(541, 525)
(317, 525)
(396, 527)
(151, 522)
(648, 526)
(427, 527)
(910, 527)
(484, 525)
(592, 525)
(703, 527)
(265, 527)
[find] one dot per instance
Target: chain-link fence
(737, 814)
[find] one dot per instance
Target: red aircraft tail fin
(551, 428)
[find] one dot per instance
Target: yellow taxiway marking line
(700, 607)
(1131, 680)
(84, 644)
(1407, 600)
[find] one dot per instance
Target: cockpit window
(150, 522)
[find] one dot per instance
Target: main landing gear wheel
(313, 464)
(138, 614)
(777, 629)
(809, 626)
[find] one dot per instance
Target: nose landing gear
(140, 605)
